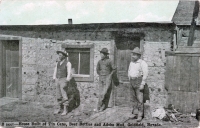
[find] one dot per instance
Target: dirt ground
(38, 112)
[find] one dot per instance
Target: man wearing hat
(105, 69)
(61, 77)
(137, 74)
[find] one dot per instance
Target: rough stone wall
(38, 61)
(154, 55)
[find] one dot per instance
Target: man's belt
(61, 78)
(136, 77)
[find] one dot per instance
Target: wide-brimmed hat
(136, 50)
(104, 50)
(62, 52)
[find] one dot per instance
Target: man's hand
(68, 79)
(141, 87)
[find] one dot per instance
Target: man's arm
(145, 72)
(129, 68)
(113, 67)
(69, 67)
(55, 71)
(98, 68)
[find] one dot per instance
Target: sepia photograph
(100, 63)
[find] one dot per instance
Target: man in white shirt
(61, 76)
(137, 74)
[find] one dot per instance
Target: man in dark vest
(105, 69)
(62, 76)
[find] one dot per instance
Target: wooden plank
(190, 50)
(128, 58)
(184, 97)
(14, 49)
(180, 36)
(171, 98)
(169, 72)
(193, 103)
(194, 74)
(123, 60)
(198, 97)
(176, 73)
(185, 73)
(199, 76)
(193, 24)
(20, 70)
(118, 64)
(115, 54)
(189, 55)
(4, 68)
(186, 102)
(176, 100)
(8, 65)
(174, 42)
(14, 77)
(76, 46)
(1, 67)
(91, 63)
(3, 38)
(119, 60)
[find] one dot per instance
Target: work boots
(139, 117)
(103, 107)
(57, 111)
(64, 111)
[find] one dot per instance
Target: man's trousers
(61, 94)
(136, 95)
(105, 91)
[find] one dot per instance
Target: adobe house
(28, 56)
(183, 64)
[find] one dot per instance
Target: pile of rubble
(173, 115)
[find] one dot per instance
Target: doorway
(10, 68)
(124, 47)
(123, 56)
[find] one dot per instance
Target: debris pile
(173, 115)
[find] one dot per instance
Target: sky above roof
(35, 12)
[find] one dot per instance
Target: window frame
(79, 77)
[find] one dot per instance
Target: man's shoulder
(142, 61)
(109, 59)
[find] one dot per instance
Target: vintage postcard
(99, 63)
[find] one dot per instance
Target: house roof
(86, 26)
(184, 12)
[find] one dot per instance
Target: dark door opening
(10, 68)
(123, 57)
(124, 47)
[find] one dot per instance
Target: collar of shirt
(138, 61)
(105, 58)
(62, 61)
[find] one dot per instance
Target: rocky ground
(38, 112)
